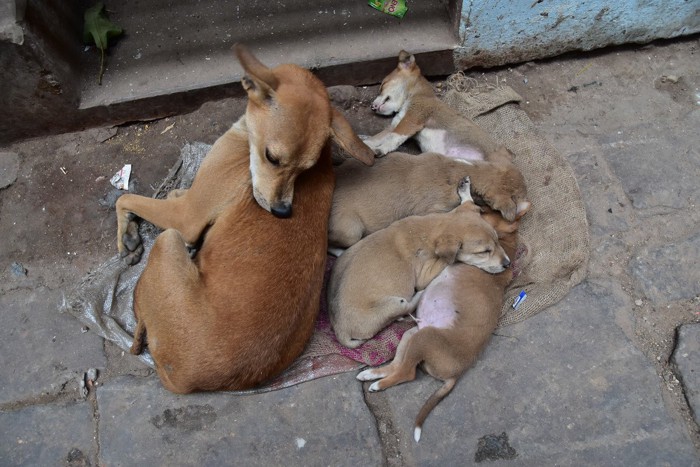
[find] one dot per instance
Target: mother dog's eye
(271, 159)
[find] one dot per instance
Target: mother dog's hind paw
(133, 246)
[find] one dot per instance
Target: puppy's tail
(430, 404)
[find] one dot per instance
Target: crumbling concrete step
(171, 47)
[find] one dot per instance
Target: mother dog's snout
(281, 210)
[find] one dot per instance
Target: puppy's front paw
(375, 146)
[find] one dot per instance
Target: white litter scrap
(120, 180)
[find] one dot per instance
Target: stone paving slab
(651, 180)
(321, 422)
(40, 348)
(687, 358)
(48, 435)
(661, 274)
(9, 166)
(600, 404)
(604, 202)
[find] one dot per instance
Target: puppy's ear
(259, 81)
(343, 134)
(447, 247)
(406, 60)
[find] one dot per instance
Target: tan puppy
(456, 316)
(400, 185)
(436, 126)
(243, 309)
(380, 278)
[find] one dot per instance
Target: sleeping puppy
(456, 316)
(420, 114)
(366, 199)
(381, 278)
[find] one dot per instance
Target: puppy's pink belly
(461, 152)
(439, 312)
(436, 307)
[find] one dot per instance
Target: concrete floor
(606, 377)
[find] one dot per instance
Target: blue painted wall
(496, 32)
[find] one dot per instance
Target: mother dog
(243, 309)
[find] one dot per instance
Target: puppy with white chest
(456, 316)
(419, 113)
(381, 278)
(367, 199)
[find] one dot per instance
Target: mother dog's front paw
(133, 246)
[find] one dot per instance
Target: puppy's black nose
(506, 262)
(282, 210)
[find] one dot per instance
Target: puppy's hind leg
(380, 315)
(402, 369)
(381, 372)
(345, 230)
(385, 311)
(415, 353)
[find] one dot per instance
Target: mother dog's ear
(259, 81)
(447, 247)
(343, 134)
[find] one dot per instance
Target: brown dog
(243, 309)
(456, 316)
(436, 126)
(381, 277)
(400, 185)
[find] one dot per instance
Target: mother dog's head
(289, 120)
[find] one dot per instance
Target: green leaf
(99, 29)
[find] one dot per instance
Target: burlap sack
(554, 232)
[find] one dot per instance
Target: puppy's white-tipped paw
(417, 433)
(374, 387)
(367, 375)
(464, 190)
